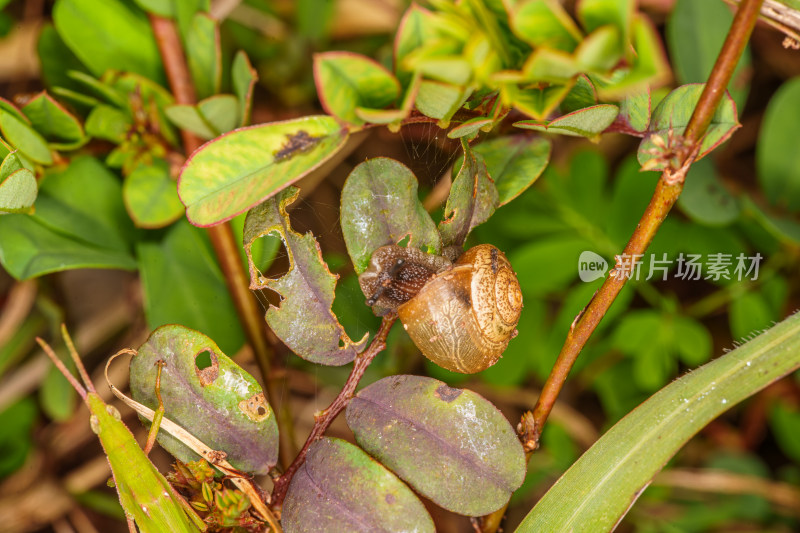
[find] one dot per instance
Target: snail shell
(461, 315)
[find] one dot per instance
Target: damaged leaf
(451, 445)
(303, 320)
(473, 198)
(209, 395)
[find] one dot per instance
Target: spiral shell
(463, 317)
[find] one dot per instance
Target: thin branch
(222, 239)
(323, 419)
(666, 194)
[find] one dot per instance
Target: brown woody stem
(667, 191)
(323, 419)
(222, 239)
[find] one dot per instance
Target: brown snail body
(461, 315)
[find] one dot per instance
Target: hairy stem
(222, 239)
(667, 191)
(323, 419)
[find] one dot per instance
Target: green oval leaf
(777, 157)
(203, 54)
(705, 200)
(380, 206)
(243, 79)
(207, 394)
(341, 488)
(53, 121)
(453, 446)
(243, 168)
(24, 138)
(546, 24)
(307, 289)
(109, 35)
(514, 163)
(672, 114)
(346, 81)
(589, 122)
(602, 485)
(151, 197)
(18, 187)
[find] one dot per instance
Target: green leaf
(440, 100)
(551, 66)
(472, 200)
(50, 119)
(470, 128)
(692, 340)
(243, 78)
(210, 118)
(416, 28)
(582, 95)
(80, 222)
(109, 35)
(536, 103)
(514, 163)
(151, 197)
(360, 495)
(548, 264)
(24, 138)
(694, 44)
(452, 445)
(600, 51)
(56, 395)
(785, 424)
(380, 206)
(346, 81)
(545, 24)
(203, 55)
(596, 13)
(777, 157)
(589, 122)
(18, 187)
(16, 439)
(634, 112)
(749, 315)
(599, 489)
(705, 199)
(109, 123)
(245, 167)
(182, 284)
(164, 8)
(207, 393)
(673, 114)
(56, 59)
(306, 290)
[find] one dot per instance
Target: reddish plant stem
(323, 419)
(222, 239)
(666, 194)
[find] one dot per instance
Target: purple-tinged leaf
(634, 114)
(472, 200)
(583, 94)
(340, 488)
(451, 445)
(589, 122)
(207, 394)
(514, 163)
(303, 320)
(347, 81)
(670, 119)
(380, 206)
(241, 169)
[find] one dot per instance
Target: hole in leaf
(264, 250)
(203, 360)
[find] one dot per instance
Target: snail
(461, 312)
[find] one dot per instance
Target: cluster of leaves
(466, 66)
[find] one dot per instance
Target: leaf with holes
(243, 168)
(451, 445)
(380, 206)
(207, 394)
(303, 320)
(589, 122)
(347, 81)
(472, 200)
(341, 488)
(669, 121)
